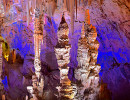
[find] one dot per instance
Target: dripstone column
(87, 70)
(62, 51)
(37, 80)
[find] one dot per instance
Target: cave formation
(64, 50)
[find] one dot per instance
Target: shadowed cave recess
(64, 49)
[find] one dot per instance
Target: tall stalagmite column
(38, 36)
(87, 70)
(37, 79)
(62, 51)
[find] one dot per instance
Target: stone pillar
(87, 70)
(83, 58)
(37, 80)
(38, 36)
(62, 51)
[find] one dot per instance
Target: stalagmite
(87, 70)
(26, 98)
(14, 55)
(3, 97)
(37, 79)
(37, 43)
(62, 51)
(72, 15)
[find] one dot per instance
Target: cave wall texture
(112, 22)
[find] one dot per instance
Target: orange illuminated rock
(83, 32)
(87, 16)
(87, 70)
(14, 55)
(105, 94)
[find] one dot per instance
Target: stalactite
(82, 1)
(89, 2)
(51, 6)
(101, 2)
(61, 4)
(76, 7)
(72, 15)
(68, 5)
(87, 16)
(6, 5)
(27, 12)
(65, 4)
(37, 79)
(33, 5)
(57, 3)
